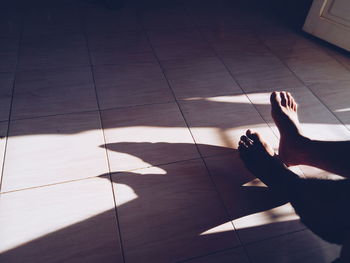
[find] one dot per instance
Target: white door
(330, 20)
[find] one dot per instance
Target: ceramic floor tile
(342, 56)
(99, 18)
(131, 84)
(297, 247)
(186, 43)
(62, 223)
(120, 47)
(335, 95)
(48, 20)
(53, 51)
(53, 149)
(149, 135)
(255, 211)
(220, 122)
(53, 91)
(186, 218)
(205, 77)
(175, 37)
(308, 61)
(317, 122)
(314, 66)
(275, 77)
(8, 54)
(6, 83)
(253, 66)
(236, 255)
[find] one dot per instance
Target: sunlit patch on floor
(278, 214)
(256, 182)
(343, 110)
(259, 98)
(218, 229)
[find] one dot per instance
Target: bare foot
(319, 203)
(261, 160)
(284, 112)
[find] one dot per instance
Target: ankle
(303, 148)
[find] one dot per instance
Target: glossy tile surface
(55, 91)
(234, 255)
(300, 246)
(310, 62)
(205, 77)
(220, 121)
(156, 94)
(181, 195)
(313, 115)
(186, 43)
(316, 121)
(143, 136)
(53, 51)
(71, 222)
(55, 149)
(131, 84)
(255, 211)
(251, 63)
(334, 95)
(119, 47)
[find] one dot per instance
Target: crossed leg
(321, 204)
(295, 148)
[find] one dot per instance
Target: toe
(294, 104)
(247, 141)
(241, 146)
(283, 98)
(289, 100)
(253, 135)
(275, 99)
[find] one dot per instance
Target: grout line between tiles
(188, 127)
(253, 105)
(121, 246)
(89, 111)
(113, 173)
(243, 245)
(277, 236)
(53, 184)
(337, 59)
(20, 37)
(297, 77)
(209, 254)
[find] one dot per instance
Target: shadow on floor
(170, 217)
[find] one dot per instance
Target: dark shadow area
(171, 217)
(289, 12)
(174, 210)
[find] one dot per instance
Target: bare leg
(295, 148)
(260, 159)
(321, 204)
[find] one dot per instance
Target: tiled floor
(119, 130)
